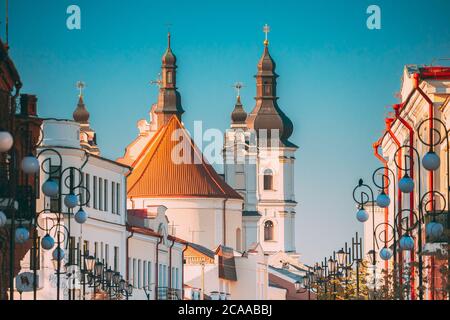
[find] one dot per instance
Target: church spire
(81, 114)
(238, 116)
(267, 115)
(88, 137)
(169, 99)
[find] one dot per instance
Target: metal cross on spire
(157, 82)
(168, 25)
(238, 86)
(80, 86)
(266, 30)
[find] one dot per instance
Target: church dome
(266, 64)
(238, 116)
(81, 114)
(267, 115)
(169, 59)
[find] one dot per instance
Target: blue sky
(336, 77)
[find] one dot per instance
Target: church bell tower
(265, 176)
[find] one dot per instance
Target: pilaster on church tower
(169, 99)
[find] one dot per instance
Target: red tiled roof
(156, 175)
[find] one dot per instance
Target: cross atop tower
(238, 86)
(266, 30)
(168, 25)
(80, 86)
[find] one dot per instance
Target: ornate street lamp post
(409, 223)
(101, 277)
(305, 285)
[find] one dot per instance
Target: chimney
(28, 105)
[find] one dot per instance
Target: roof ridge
(205, 162)
(149, 144)
(209, 182)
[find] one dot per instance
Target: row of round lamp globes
(30, 165)
(434, 230)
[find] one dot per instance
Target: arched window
(238, 239)
(268, 180)
(268, 230)
(169, 77)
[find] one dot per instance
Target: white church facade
(251, 206)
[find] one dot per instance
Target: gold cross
(266, 30)
(80, 86)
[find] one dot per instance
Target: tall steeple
(267, 115)
(88, 137)
(169, 99)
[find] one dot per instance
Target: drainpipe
(170, 263)
(389, 122)
(224, 222)
(416, 84)
(383, 161)
(398, 108)
(127, 255)
(157, 267)
(182, 272)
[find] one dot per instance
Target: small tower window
(268, 230)
(267, 89)
(268, 180)
(169, 77)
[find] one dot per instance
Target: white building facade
(100, 188)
